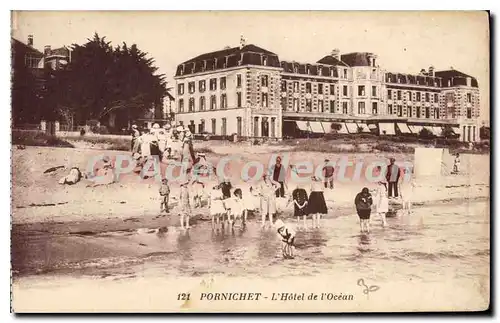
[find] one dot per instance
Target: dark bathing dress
(299, 195)
(363, 205)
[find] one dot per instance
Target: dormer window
(295, 69)
(320, 70)
(182, 70)
(204, 66)
(264, 60)
(224, 65)
(331, 72)
(307, 70)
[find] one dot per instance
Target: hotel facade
(248, 91)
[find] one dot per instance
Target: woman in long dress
(316, 206)
(381, 202)
(217, 209)
(267, 189)
(407, 189)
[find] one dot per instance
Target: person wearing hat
(187, 152)
(168, 140)
(392, 177)
(287, 235)
(363, 203)
(135, 135)
(328, 171)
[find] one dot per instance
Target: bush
(102, 130)
(37, 138)
(426, 134)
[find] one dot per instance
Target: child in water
(164, 193)
(456, 164)
(217, 209)
(287, 236)
(185, 211)
(363, 203)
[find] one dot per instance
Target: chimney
(243, 42)
(46, 50)
(423, 72)
(30, 40)
(431, 70)
(336, 53)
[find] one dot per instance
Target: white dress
(407, 191)
(381, 200)
(216, 204)
(236, 205)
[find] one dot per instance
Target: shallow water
(433, 243)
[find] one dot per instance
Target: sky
(405, 42)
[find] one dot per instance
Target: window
(344, 108)
(238, 80)
(400, 111)
(30, 61)
(224, 127)
(202, 86)
(223, 101)
(332, 106)
(213, 84)
(223, 83)
(214, 125)
(265, 81)
(345, 73)
(213, 102)
(320, 88)
(418, 112)
(389, 94)
(283, 86)
(283, 104)
(308, 87)
(308, 105)
(410, 112)
(180, 89)
(469, 97)
(202, 103)
(427, 112)
(264, 100)
(469, 113)
(344, 90)
(436, 98)
(295, 86)
(399, 94)
(238, 126)
(191, 87)
(389, 108)
(201, 126)
(374, 91)
(192, 127)
(332, 89)
(361, 108)
(409, 95)
(427, 99)
(418, 96)
(238, 99)
(296, 105)
(321, 106)
(181, 105)
(264, 60)
(361, 90)
(374, 108)
(191, 104)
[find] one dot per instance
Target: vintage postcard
(270, 161)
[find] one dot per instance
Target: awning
(415, 129)
(386, 128)
(456, 130)
(364, 127)
(437, 131)
(302, 125)
(351, 127)
(327, 126)
(316, 127)
(343, 128)
(403, 127)
(372, 126)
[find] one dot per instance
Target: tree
(448, 132)
(335, 127)
(484, 133)
(102, 82)
(426, 134)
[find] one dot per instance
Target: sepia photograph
(250, 161)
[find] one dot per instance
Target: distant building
(247, 90)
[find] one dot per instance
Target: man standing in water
(392, 177)
(278, 177)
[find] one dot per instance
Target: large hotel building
(248, 91)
